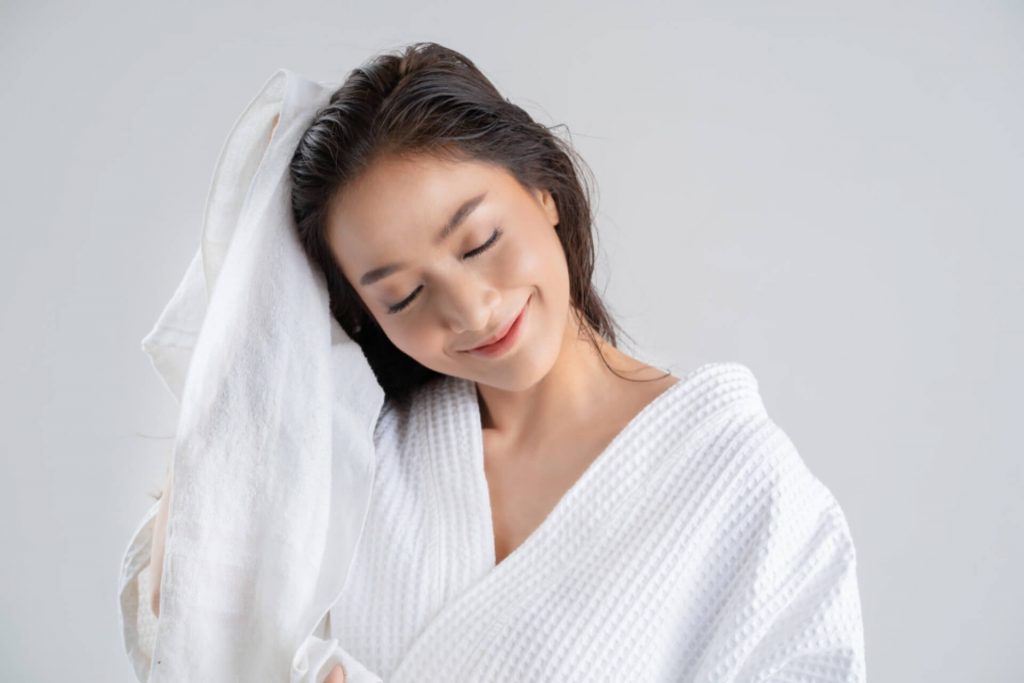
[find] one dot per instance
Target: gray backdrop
(829, 194)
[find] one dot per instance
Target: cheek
(419, 341)
(550, 269)
(535, 260)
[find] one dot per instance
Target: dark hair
(431, 100)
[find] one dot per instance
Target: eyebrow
(454, 222)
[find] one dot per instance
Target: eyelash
(470, 254)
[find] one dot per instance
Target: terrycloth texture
(273, 457)
(696, 547)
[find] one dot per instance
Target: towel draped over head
(273, 454)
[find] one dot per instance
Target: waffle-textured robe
(696, 547)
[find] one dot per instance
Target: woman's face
(503, 256)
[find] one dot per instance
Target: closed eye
(495, 236)
(486, 245)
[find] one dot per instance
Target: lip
(507, 338)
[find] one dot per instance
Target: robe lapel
(449, 419)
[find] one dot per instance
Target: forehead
(399, 202)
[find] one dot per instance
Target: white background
(828, 193)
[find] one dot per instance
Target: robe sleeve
(313, 660)
(795, 613)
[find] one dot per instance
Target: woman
(546, 507)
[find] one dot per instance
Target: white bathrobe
(696, 547)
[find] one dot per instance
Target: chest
(524, 485)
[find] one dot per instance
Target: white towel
(273, 456)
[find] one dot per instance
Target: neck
(576, 390)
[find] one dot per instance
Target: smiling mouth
(502, 334)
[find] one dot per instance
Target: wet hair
(429, 100)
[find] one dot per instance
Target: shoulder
(777, 537)
(763, 474)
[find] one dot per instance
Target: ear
(547, 203)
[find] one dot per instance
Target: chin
(531, 364)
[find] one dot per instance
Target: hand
(336, 675)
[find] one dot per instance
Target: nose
(470, 304)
